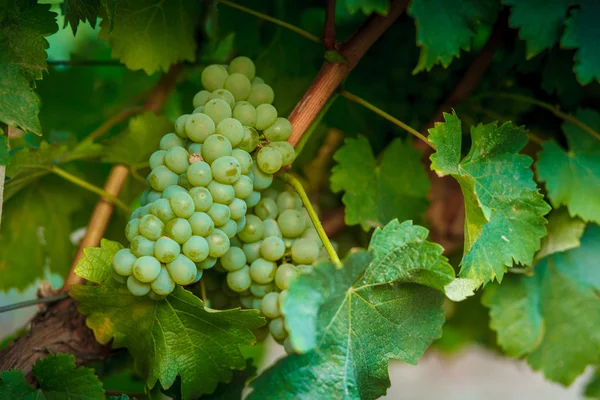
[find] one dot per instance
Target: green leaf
(19, 105)
(80, 10)
(573, 177)
(592, 388)
(367, 7)
(173, 337)
(445, 27)
(504, 209)
(4, 156)
(349, 322)
(540, 30)
(151, 35)
(58, 379)
(564, 233)
(552, 318)
(581, 33)
(136, 144)
(376, 194)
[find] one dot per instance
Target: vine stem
(28, 303)
(87, 63)
(295, 183)
(381, 113)
(329, 28)
(274, 20)
(111, 122)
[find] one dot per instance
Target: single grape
(198, 110)
(250, 140)
(199, 127)
(166, 249)
(256, 303)
(288, 201)
(217, 110)
(123, 262)
(234, 259)
(272, 248)
(213, 77)
(282, 296)
(208, 263)
(224, 95)
(239, 280)
(162, 177)
(196, 248)
(270, 193)
(302, 269)
(146, 269)
(202, 198)
(157, 158)
(244, 160)
(218, 243)
(151, 227)
(201, 223)
(169, 141)
(161, 208)
(263, 271)
(260, 289)
(226, 170)
(219, 213)
(261, 93)
(176, 160)
(199, 273)
(288, 346)
(280, 130)
(240, 224)
(285, 274)
(305, 251)
(195, 148)
(182, 270)
(133, 228)
(153, 196)
(277, 329)
(232, 129)
(269, 160)
(239, 85)
(252, 251)
(199, 174)
(253, 199)
(311, 233)
(257, 81)
(291, 223)
(179, 230)
(201, 98)
(272, 228)
(221, 193)
(253, 231)
(119, 278)
(243, 187)
(246, 301)
(229, 228)
(136, 287)
(245, 113)
(183, 181)
(144, 197)
(171, 190)
(262, 180)
(140, 246)
(269, 305)
(163, 285)
(182, 205)
(266, 115)
(216, 146)
(180, 126)
(237, 209)
(265, 209)
(288, 154)
(242, 65)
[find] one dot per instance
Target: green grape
(161, 208)
(176, 160)
(171, 190)
(242, 65)
(282, 296)
(270, 193)
(269, 305)
(216, 146)
(238, 209)
(262, 180)
(253, 199)
(243, 187)
(288, 154)
(279, 131)
(198, 110)
(202, 198)
(288, 201)
(291, 223)
(266, 115)
(157, 158)
(201, 98)
(133, 228)
(195, 148)
(182, 270)
(153, 196)
(288, 346)
(260, 290)
(269, 160)
(208, 263)
(239, 85)
(257, 81)
(253, 231)
(123, 262)
(179, 230)
(217, 110)
(285, 274)
(162, 177)
(199, 127)
(146, 269)
(240, 224)
(218, 243)
(166, 249)
(246, 301)
(140, 246)
(303, 269)
(277, 329)
(239, 280)
(213, 77)
(256, 303)
(169, 141)
(272, 248)
(221, 193)
(163, 285)
(229, 228)
(201, 223)
(196, 248)
(252, 251)
(263, 271)
(250, 140)
(144, 197)
(151, 227)
(119, 278)
(136, 287)
(234, 259)
(288, 242)
(272, 228)
(180, 125)
(199, 273)
(311, 233)
(226, 170)
(232, 129)
(182, 205)
(183, 181)
(245, 113)
(224, 95)
(265, 209)
(261, 93)
(199, 174)
(305, 251)
(219, 213)
(244, 159)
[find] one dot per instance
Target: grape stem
(295, 183)
(28, 303)
(329, 27)
(110, 123)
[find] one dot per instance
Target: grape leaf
(445, 27)
(151, 35)
(349, 322)
(552, 318)
(581, 33)
(592, 388)
(564, 233)
(19, 105)
(504, 210)
(4, 155)
(80, 10)
(376, 194)
(137, 143)
(367, 7)
(58, 379)
(167, 338)
(573, 177)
